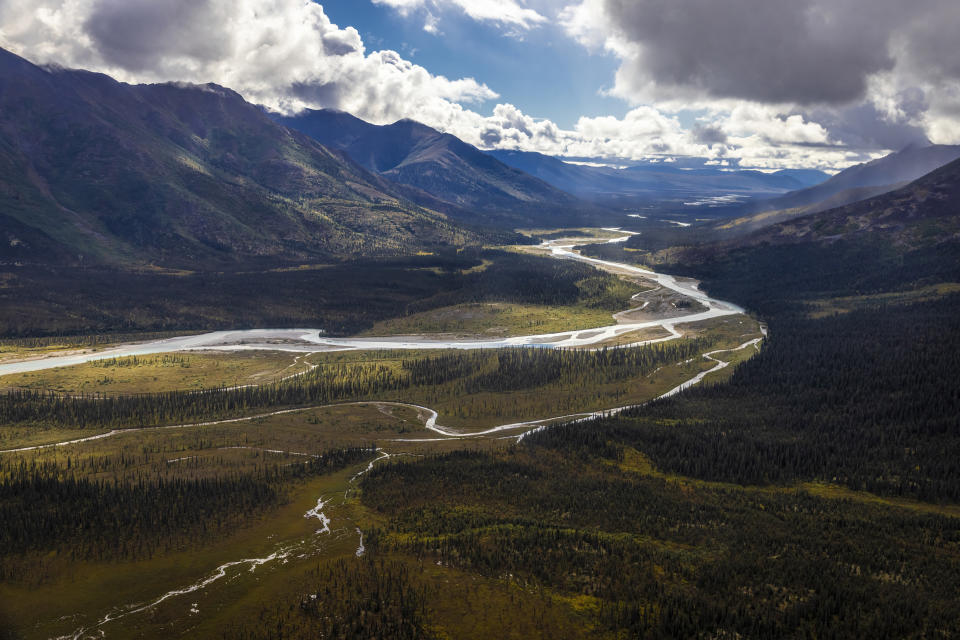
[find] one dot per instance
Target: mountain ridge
(897, 168)
(652, 181)
(413, 154)
(178, 175)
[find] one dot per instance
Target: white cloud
(770, 124)
(287, 55)
(430, 23)
(589, 24)
(874, 73)
(509, 13)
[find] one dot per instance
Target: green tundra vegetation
(812, 495)
(82, 511)
(561, 381)
(675, 558)
(161, 372)
(807, 492)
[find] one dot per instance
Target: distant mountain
(444, 166)
(904, 240)
(921, 214)
(925, 212)
(654, 181)
(891, 171)
(856, 183)
(178, 175)
(742, 225)
(806, 177)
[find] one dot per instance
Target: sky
(763, 84)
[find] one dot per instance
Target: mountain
(444, 166)
(174, 175)
(899, 247)
(806, 177)
(860, 182)
(922, 218)
(654, 181)
(923, 213)
(887, 173)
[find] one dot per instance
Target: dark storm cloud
(134, 33)
(804, 51)
(329, 93)
(708, 134)
(862, 127)
(491, 137)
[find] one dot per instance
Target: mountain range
(97, 171)
(854, 184)
(922, 213)
(475, 185)
(921, 219)
(170, 175)
(656, 181)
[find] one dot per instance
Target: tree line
(501, 370)
(83, 513)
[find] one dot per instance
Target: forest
(443, 375)
(811, 494)
(674, 558)
(867, 399)
(350, 598)
(83, 510)
(340, 298)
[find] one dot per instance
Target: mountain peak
(414, 154)
(920, 143)
(180, 174)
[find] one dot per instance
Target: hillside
(743, 225)
(906, 240)
(97, 171)
(909, 236)
(925, 212)
(856, 183)
(482, 188)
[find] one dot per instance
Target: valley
(425, 419)
(444, 467)
(589, 320)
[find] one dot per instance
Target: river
(315, 340)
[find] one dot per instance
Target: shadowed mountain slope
(444, 166)
(902, 240)
(925, 212)
(179, 176)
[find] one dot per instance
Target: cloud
(430, 23)
(288, 55)
(508, 13)
(131, 33)
(797, 51)
(285, 54)
(873, 72)
(709, 134)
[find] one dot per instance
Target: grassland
(19, 349)
(164, 372)
(845, 304)
(580, 233)
(631, 337)
(494, 320)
